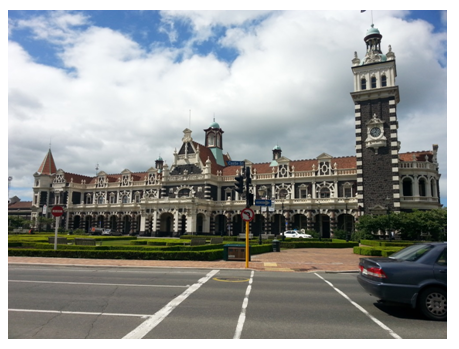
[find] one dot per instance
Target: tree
(414, 225)
(18, 222)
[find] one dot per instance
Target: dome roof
(214, 125)
(373, 30)
(277, 148)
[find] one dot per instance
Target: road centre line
(375, 320)
(76, 312)
(155, 319)
(94, 283)
(241, 320)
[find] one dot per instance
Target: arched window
(407, 187)
(324, 193)
(283, 194)
(125, 199)
(373, 82)
(383, 81)
(211, 139)
(100, 200)
(433, 188)
(363, 84)
(422, 187)
(184, 193)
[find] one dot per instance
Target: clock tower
(375, 98)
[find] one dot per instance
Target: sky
(114, 90)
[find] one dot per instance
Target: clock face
(375, 131)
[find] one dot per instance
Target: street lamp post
(345, 218)
(280, 220)
(263, 193)
(320, 221)
(388, 217)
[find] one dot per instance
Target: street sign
(262, 202)
(57, 211)
(247, 214)
(235, 163)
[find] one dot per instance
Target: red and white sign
(57, 211)
(247, 214)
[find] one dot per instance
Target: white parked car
(296, 234)
(107, 232)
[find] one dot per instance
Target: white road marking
(155, 319)
(93, 283)
(76, 312)
(375, 320)
(241, 320)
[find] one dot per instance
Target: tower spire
(48, 166)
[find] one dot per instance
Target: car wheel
(432, 303)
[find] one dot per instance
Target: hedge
(386, 243)
(209, 255)
(47, 246)
(371, 251)
(318, 244)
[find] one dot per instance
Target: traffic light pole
(239, 187)
(247, 244)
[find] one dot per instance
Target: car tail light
(373, 271)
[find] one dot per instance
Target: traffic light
(248, 182)
(239, 184)
(249, 199)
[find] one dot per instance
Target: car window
(412, 253)
(442, 259)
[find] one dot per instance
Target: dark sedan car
(415, 275)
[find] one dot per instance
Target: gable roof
(20, 205)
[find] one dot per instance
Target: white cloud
(122, 105)
(57, 27)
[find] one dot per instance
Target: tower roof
(48, 166)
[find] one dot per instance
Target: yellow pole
(247, 244)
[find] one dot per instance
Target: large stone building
(196, 193)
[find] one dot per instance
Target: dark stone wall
(376, 168)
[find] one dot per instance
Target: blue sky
(117, 88)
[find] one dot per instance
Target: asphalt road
(172, 303)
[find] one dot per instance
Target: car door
(440, 267)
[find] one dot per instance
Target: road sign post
(57, 212)
(247, 215)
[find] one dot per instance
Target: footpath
(291, 260)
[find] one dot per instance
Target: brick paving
(291, 260)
